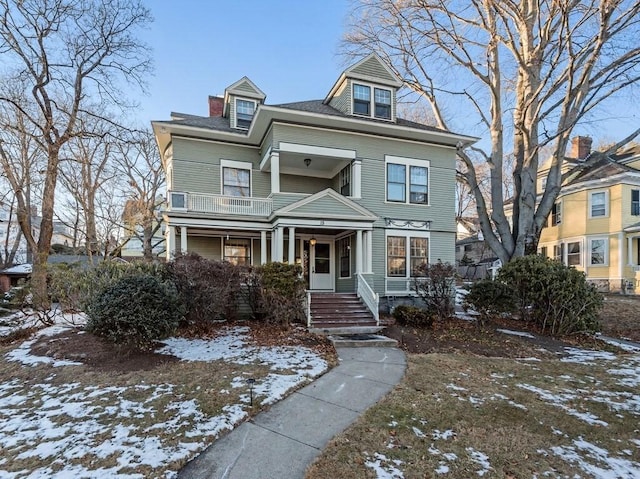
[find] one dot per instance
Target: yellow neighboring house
(595, 223)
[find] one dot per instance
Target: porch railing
(370, 298)
(229, 205)
(307, 308)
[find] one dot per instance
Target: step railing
(370, 298)
(307, 307)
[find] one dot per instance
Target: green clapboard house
(342, 186)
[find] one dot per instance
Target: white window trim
(559, 206)
(175, 208)
(240, 165)
(372, 102)
(235, 111)
(407, 235)
(606, 204)
(408, 162)
(606, 251)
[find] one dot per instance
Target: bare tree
(525, 72)
(139, 163)
(71, 56)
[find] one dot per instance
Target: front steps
(341, 313)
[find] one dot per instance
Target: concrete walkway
(281, 442)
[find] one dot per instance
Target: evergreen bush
(135, 311)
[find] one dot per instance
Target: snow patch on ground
(597, 461)
(522, 334)
(384, 467)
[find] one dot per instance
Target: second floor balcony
(220, 204)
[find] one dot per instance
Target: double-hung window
(372, 101)
(598, 251)
(382, 103)
(558, 252)
(406, 254)
(244, 113)
(345, 181)
(573, 254)
(361, 100)
(635, 202)
(598, 204)
(407, 180)
(236, 178)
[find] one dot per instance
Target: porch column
(263, 247)
(275, 172)
(630, 251)
(274, 242)
(183, 239)
(292, 245)
(357, 178)
(366, 251)
(279, 244)
(358, 251)
(171, 242)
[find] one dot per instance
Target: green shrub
(490, 298)
(557, 297)
(412, 316)
(283, 290)
(208, 289)
(435, 285)
(76, 286)
(135, 311)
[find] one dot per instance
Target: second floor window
(345, 181)
(598, 204)
(244, 113)
(236, 182)
(556, 214)
(408, 181)
(635, 202)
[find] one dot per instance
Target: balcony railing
(221, 205)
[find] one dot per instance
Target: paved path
(281, 442)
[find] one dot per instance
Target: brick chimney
(581, 147)
(216, 105)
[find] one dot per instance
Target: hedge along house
(342, 186)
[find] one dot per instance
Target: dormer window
(364, 96)
(244, 113)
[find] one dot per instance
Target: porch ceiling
(319, 167)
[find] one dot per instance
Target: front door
(321, 266)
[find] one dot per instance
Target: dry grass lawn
(461, 415)
(620, 316)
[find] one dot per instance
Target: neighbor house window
(345, 181)
(237, 251)
(543, 251)
(558, 252)
(598, 204)
(363, 99)
(408, 179)
(573, 254)
(244, 113)
(635, 202)
(556, 214)
(345, 257)
(396, 256)
(419, 254)
(598, 251)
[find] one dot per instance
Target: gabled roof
(371, 69)
(327, 204)
(245, 87)
(599, 167)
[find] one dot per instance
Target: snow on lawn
(72, 426)
(522, 334)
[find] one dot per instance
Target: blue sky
(287, 47)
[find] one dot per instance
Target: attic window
(363, 99)
(244, 113)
